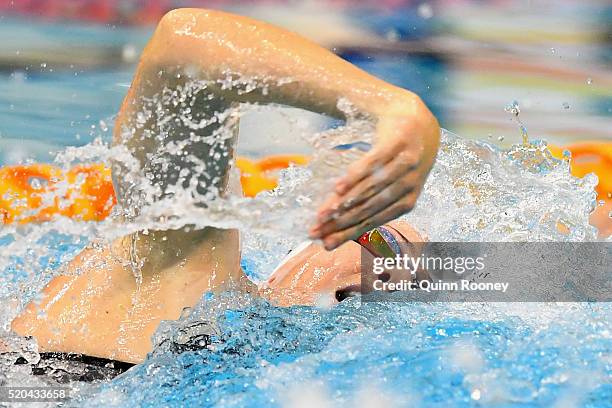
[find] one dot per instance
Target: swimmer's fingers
(396, 137)
(395, 171)
(346, 218)
(352, 224)
(365, 167)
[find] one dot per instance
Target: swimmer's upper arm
(300, 72)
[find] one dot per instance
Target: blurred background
(65, 65)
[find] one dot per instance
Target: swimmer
(99, 309)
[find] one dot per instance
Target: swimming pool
(397, 354)
(371, 354)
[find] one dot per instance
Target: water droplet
(552, 50)
(589, 81)
(513, 108)
(566, 105)
(501, 138)
(103, 126)
(610, 195)
(43, 65)
(35, 183)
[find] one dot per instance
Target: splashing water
(514, 109)
(415, 355)
(429, 354)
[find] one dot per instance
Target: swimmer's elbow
(186, 19)
(161, 49)
(173, 22)
(174, 40)
(178, 17)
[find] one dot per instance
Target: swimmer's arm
(383, 184)
(300, 72)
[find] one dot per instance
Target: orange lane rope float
(591, 157)
(35, 193)
(38, 192)
(257, 176)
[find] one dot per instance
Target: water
(515, 110)
(409, 355)
(398, 354)
(420, 355)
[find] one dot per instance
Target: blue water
(399, 351)
(291, 337)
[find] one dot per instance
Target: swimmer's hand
(387, 181)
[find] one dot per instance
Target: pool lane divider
(39, 192)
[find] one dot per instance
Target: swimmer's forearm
(300, 72)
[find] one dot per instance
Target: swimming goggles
(380, 242)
